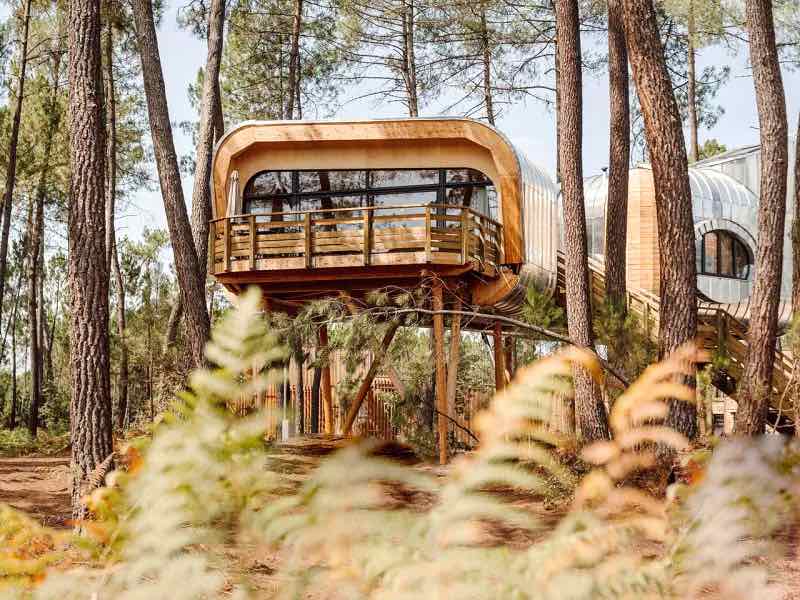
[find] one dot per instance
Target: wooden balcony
(414, 234)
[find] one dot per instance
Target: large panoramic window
(723, 254)
(277, 192)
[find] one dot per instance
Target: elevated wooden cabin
(310, 209)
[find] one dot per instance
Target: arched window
(723, 254)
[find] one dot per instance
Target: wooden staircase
(716, 328)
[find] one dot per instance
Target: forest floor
(39, 485)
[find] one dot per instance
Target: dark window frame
(737, 245)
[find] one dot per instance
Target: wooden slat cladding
(363, 236)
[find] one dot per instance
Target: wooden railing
(348, 237)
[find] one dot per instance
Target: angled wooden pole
(325, 384)
(499, 358)
(441, 372)
(377, 358)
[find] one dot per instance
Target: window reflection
(723, 254)
(272, 192)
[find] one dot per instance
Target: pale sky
(531, 126)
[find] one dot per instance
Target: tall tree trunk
(294, 58)
(191, 277)
(667, 149)
(201, 193)
(299, 390)
(109, 96)
(122, 400)
(796, 228)
(90, 407)
(409, 58)
(589, 409)
(112, 253)
(691, 85)
(557, 76)
(35, 246)
(219, 118)
(486, 51)
(12, 421)
(11, 169)
(756, 382)
(618, 159)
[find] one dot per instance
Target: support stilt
(453, 359)
(499, 358)
(325, 385)
(441, 373)
(377, 359)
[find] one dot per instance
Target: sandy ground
(38, 486)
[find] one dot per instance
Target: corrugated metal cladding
(744, 165)
(540, 226)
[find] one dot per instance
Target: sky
(530, 126)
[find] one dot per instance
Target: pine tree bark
(796, 228)
(691, 85)
(90, 407)
(112, 253)
(201, 193)
(619, 158)
(486, 51)
(667, 149)
(409, 58)
(299, 390)
(756, 383)
(294, 59)
(12, 420)
(11, 169)
(35, 246)
(589, 408)
(191, 277)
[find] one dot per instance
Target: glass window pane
(274, 204)
(421, 197)
(465, 196)
(334, 181)
(403, 177)
(725, 254)
(331, 202)
(466, 176)
(270, 182)
(742, 261)
(710, 263)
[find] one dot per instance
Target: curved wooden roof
(405, 143)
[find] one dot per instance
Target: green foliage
(540, 309)
(628, 347)
(711, 147)
(204, 468)
(18, 442)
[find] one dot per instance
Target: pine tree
(676, 246)
(590, 413)
(88, 276)
(756, 383)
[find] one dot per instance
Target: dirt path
(38, 486)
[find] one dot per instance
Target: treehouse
(308, 210)
(724, 211)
